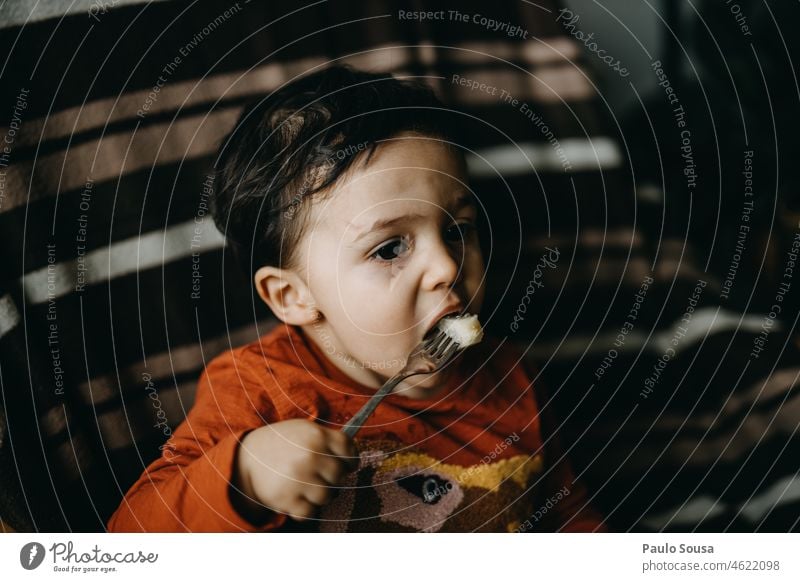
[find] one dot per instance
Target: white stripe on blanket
(9, 316)
(755, 509)
(121, 258)
(582, 154)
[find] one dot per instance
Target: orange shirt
(473, 458)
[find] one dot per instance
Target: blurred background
(652, 144)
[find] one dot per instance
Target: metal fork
(429, 356)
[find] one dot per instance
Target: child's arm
(188, 487)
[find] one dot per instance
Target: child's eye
(459, 232)
(391, 250)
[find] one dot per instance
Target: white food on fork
(464, 329)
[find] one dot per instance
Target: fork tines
(440, 345)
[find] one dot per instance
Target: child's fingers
(342, 446)
(301, 509)
(317, 494)
(331, 469)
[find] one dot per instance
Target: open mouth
(448, 312)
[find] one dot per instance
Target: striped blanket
(117, 288)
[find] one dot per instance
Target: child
(344, 194)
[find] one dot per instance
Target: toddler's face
(387, 254)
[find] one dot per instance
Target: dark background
(713, 447)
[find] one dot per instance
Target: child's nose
(443, 266)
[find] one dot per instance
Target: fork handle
(360, 417)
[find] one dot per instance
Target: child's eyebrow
(384, 223)
(462, 201)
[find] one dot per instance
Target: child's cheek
(380, 303)
(384, 334)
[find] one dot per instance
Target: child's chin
(426, 385)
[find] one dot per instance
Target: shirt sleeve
(188, 488)
(564, 501)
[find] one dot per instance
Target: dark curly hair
(299, 140)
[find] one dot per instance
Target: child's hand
(290, 466)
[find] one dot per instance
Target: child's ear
(286, 294)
